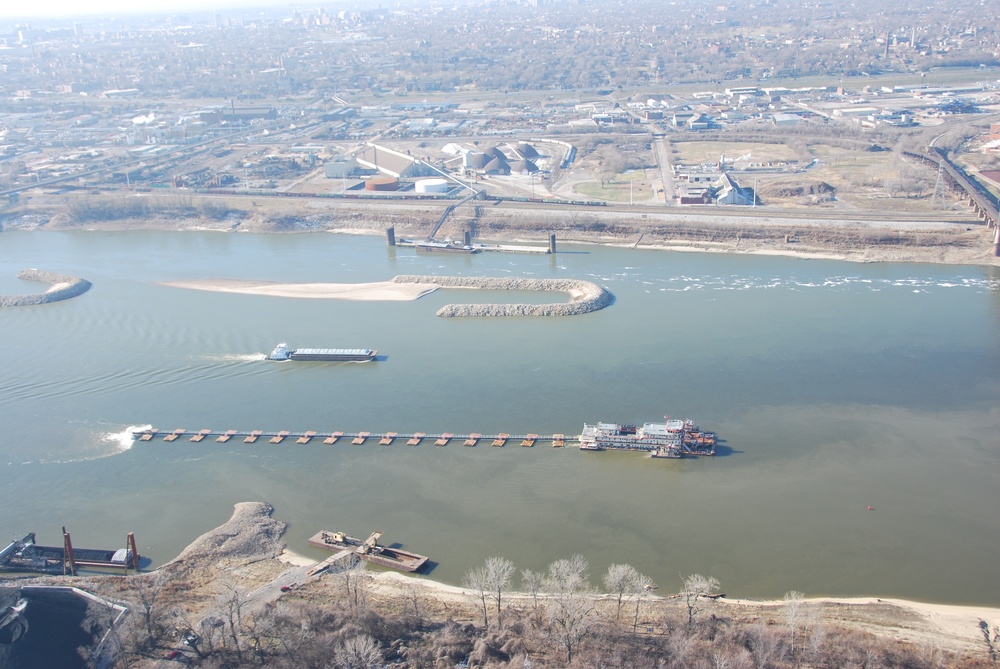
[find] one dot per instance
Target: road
(663, 158)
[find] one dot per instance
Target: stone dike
(63, 288)
(585, 296)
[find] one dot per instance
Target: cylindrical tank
(382, 183)
(432, 186)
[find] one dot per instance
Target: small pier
(282, 437)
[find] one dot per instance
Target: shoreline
(914, 621)
(783, 234)
(251, 544)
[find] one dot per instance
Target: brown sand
(378, 291)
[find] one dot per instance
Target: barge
(25, 555)
(669, 439)
(369, 550)
(282, 352)
(435, 246)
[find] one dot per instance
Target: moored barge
(669, 439)
(369, 550)
(25, 555)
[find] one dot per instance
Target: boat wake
(124, 440)
(236, 357)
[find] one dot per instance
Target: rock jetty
(62, 288)
(585, 296)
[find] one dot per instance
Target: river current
(834, 386)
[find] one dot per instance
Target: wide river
(835, 387)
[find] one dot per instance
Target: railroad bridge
(979, 199)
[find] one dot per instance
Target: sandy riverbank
(249, 548)
(951, 627)
(377, 291)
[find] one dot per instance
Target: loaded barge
(670, 439)
(282, 352)
(26, 555)
(369, 550)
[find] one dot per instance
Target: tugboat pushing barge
(282, 352)
(670, 439)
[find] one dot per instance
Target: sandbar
(377, 291)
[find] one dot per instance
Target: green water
(834, 386)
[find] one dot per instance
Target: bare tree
(531, 581)
(498, 571)
(146, 588)
(571, 603)
(641, 586)
(360, 652)
(618, 581)
(476, 581)
(233, 600)
(697, 587)
(355, 582)
(793, 612)
(766, 646)
(623, 581)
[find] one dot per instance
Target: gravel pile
(586, 296)
(74, 287)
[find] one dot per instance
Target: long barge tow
(669, 439)
(368, 550)
(337, 436)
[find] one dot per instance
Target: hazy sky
(52, 8)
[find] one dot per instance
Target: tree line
(556, 618)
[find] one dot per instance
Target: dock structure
(358, 438)
(27, 555)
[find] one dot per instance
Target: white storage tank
(432, 186)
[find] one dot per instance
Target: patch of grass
(709, 152)
(618, 190)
